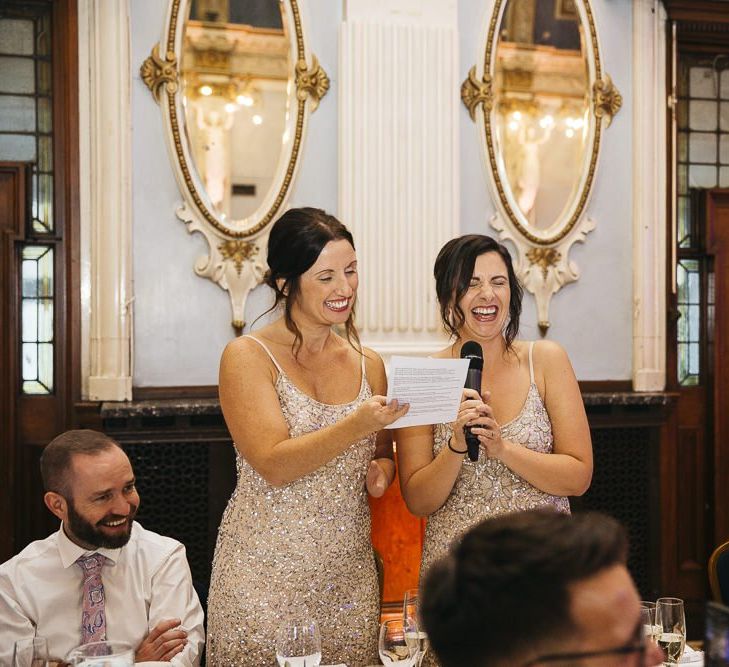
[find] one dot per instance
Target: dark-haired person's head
(536, 588)
(477, 289)
(312, 269)
(89, 485)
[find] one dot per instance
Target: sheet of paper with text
(432, 387)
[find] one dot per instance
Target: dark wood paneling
(717, 239)
(605, 386)
(155, 393)
(67, 199)
(698, 12)
(13, 196)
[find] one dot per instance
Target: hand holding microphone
(474, 353)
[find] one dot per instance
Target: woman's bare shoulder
(244, 354)
(445, 353)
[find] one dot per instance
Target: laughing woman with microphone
(530, 421)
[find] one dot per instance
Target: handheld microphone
(473, 352)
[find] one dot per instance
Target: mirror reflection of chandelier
(533, 131)
(236, 84)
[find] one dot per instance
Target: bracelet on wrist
(457, 451)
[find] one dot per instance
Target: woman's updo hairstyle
(294, 244)
(453, 271)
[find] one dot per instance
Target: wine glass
(398, 643)
(648, 618)
(298, 644)
(102, 654)
(671, 623)
(411, 610)
(30, 652)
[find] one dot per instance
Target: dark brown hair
(453, 271)
(295, 243)
(506, 585)
(55, 461)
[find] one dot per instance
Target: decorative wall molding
(105, 199)
(398, 162)
(649, 199)
(542, 262)
(236, 255)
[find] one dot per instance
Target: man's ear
(56, 503)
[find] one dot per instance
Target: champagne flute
(298, 644)
(30, 652)
(398, 644)
(411, 610)
(671, 623)
(648, 617)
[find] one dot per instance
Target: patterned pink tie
(93, 615)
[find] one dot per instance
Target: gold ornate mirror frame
(542, 264)
(237, 250)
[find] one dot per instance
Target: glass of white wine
(648, 617)
(411, 610)
(298, 644)
(398, 643)
(671, 622)
(31, 652)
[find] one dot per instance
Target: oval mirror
(541, 133)
(542, 98)
(236, 84)
(236, 77)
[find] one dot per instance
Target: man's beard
(90, 534)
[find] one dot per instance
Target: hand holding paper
(433, 388)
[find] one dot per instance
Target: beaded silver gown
(486, 487)
(303, 549)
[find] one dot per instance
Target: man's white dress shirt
(148, 580)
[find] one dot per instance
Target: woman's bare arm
(253, 415)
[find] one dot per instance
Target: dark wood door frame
(717, 244)
(13, 200)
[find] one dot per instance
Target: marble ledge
(170, 407)
(160, 407)
(637, 398)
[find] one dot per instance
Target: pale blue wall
(181, 321)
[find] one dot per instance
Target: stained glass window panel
(689, 321)
(37, 319)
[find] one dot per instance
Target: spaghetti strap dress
(300, 550)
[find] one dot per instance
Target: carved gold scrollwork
(544, 258)
(157, 72)
(238, 252)
(607, 99)
(475, 92)
(312, 82)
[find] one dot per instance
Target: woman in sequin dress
(294, 541)
(530, 419)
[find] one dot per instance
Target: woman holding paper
(535, 446)
(305, 407)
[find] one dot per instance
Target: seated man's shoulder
(37, 552)
(148, 544)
